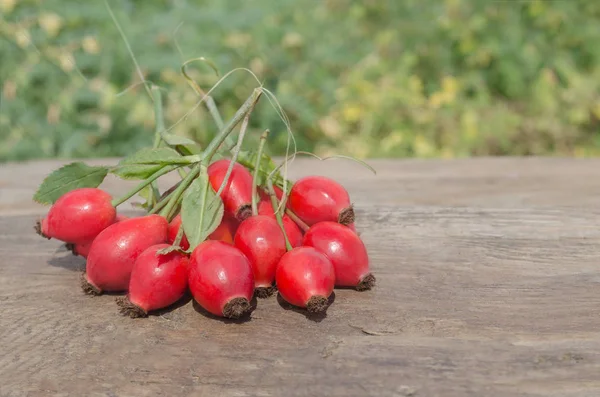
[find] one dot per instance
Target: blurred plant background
(367, 78)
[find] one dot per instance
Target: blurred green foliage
(368, 78)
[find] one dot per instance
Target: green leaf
(175, 140)
(248, 159)
(200, 220)
(69, 177)
(169, 249)
(145, 162)
(146, 193)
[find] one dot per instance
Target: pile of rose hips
(223, 232)
(247, 254)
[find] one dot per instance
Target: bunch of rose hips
(228, 230)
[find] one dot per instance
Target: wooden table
(488, 285)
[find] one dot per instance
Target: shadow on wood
(315, 317)
(245, 318)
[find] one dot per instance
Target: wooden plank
(485, 182)
(470, 301)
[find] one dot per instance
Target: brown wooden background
(488, 285)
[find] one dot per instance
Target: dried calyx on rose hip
(260, 238)
(115, 250)
(345, 250)
(317, 199)
(78, 216)
(221, 279)
(305, 278)
(157, 281)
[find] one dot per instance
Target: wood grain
(496, 295)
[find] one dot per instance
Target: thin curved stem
(261, 146)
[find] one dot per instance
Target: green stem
(298, 221)
(275, 205)
(185, 183)
(236, 152)
(214, 112)
(213, 147)
(143, 184)
(261, 146)
(159, 125)
(161, 204)
(159, 120)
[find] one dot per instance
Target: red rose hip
(157, 281)
(115, 250)
(317, 199)
(345, 250)
(78, 216)
(292, 230)
(223, 232)
(305, 278)
(237, 194)
(261, 240)
(220, 279)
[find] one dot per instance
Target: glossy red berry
(172, 231)
(83, 248)
(220, 279)
(345, 250)
(317, 199)
(223, 232)
(237, 195)
(305, 278)
(260, 238)
(292, 230)
(78, 216)
(157, 281)
(113, 253)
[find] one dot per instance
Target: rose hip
(220, 279)
(83, 248)
(223, 232)
(78, 216)
(305, 278)
(293, 232)
(345, 250)
(237, 194)
(113, 253)
(317, 199)
(261, 240)
(157, 281)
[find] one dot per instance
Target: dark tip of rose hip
(346, 216)
(265, 292)
(317, 304)
(236, 308)
(127, 308)
(244, 212)
(38, 230)
(88, 288)
(366, 283)
(71, 247)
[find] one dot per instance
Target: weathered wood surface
(488, 285)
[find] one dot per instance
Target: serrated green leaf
(198, 224)
(69, 177)
(145, 162)
(248, 159)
